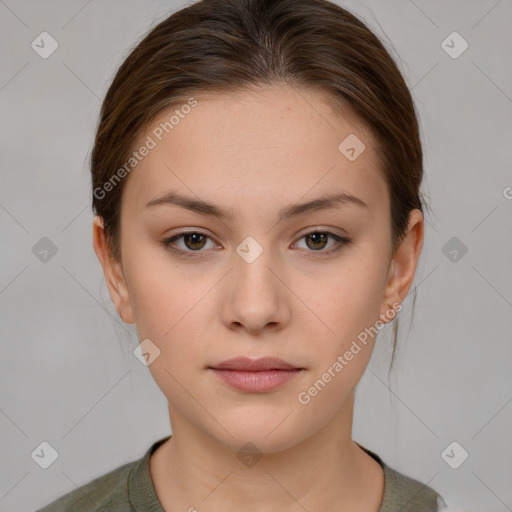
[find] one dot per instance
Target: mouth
(255, 376)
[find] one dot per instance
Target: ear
(113, 271)
(403, 266)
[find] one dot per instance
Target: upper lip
(246, 364)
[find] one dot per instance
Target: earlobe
(404, 262)
(112, 270)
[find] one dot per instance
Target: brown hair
(231, 45)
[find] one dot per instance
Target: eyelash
(341, 241)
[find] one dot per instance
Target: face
(245, 270)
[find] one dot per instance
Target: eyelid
(323, 229)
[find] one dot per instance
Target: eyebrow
(205, 208)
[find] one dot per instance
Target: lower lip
(256, 382)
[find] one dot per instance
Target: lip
(254, 365)
(255, 376)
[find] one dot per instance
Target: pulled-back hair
(233, 45)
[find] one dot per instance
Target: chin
(263, 436)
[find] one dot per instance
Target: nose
(256, 297)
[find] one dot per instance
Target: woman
(256, 175)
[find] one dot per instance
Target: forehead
(278, 144)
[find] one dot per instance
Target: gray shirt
(129, 488)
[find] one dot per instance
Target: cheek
(348, 299)
(167, 309)
(169, 300)
(349, 309)
(349, 304)
(160, 293)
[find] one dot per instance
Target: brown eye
(194, 241)
(318, 240)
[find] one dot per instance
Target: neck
(326, 471)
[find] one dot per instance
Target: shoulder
(407, 494)
(404, 493)
(107, 492)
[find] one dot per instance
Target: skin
(254, 153)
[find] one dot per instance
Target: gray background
(68, 375)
